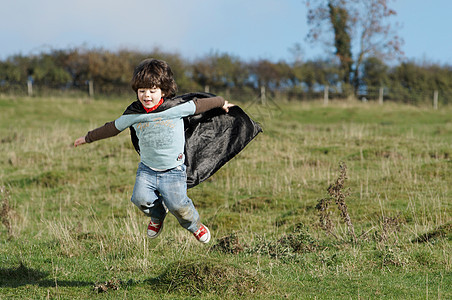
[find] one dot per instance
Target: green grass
(69, 230)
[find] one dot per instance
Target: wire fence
(434, 98)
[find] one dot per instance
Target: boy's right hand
(227, 105)
(80, 141)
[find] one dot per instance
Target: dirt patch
(113, 284)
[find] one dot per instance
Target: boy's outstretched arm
(205, 104)
(103, 132)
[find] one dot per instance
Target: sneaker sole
(208, 232)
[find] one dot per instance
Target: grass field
(349, 201)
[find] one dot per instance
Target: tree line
(347, 72)
(224, 73)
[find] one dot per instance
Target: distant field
(69, 230)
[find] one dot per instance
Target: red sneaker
(202, 234)
(154, 228)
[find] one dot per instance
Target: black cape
(211, 138)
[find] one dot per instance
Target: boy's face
(149, 97)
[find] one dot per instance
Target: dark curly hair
(154, 73)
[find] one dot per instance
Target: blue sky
(251, 29)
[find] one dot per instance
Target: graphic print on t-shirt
(158, 133)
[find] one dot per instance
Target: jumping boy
(160, 184)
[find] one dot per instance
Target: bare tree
(359, 29)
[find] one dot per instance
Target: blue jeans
(154, 190)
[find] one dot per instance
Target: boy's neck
(148, 110)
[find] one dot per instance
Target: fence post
(30, 87)
(380, 96)
(91, 88)
(206, 88)
(435, 99)
(325, 95)
(263, 96)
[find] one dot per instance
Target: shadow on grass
(22, 275)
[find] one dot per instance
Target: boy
(160, 184)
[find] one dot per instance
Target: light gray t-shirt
(161, 135)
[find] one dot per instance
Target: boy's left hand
(80, 141)
(227, 105)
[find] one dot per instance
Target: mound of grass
(289, 246)
(229, 244)
(208, 276)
